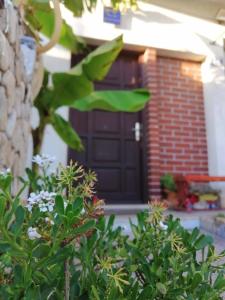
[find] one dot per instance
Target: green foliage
(37, 237)
(40, 17)
(158, 262)
(65, 131)
(75, 89)
(79, 80)
(59, 224)
(127, 101)
(167, 182)
(77, 84)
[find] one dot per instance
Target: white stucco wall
(56, 60)
(177, 34)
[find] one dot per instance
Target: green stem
(38, 137)
(67, 279)
(11, 242)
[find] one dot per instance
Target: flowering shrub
(58, 245)
(38, 236)
(161, 261)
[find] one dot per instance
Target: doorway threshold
(124, 209)
(124, 212)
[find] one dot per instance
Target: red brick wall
(176, 136)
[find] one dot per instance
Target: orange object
(204, 178)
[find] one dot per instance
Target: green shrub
(167, 182)
(58, 245)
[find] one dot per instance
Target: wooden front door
(109, 139)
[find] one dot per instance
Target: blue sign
(112, 16)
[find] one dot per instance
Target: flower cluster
(6, 270)
(44, 200)
(49, 221)
(43, 160)
(5, 172)
(33, 234)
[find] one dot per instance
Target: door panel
(109, 140)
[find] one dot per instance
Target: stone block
(3, 109)
(3, 20)
(15, 96)
(5, 149)
(4, 51)
(17, 135)
(12, 60)
(8, 80)
(13, 24)
(25, 128)
(18, 71)
(20, 91)
(26, 111)
(9, 158)
(11, 123)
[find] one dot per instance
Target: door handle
(137, 131)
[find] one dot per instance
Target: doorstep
(124, 209)
(124, 212)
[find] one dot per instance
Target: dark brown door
(109, 139)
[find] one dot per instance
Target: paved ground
(188, 220)
(219, 243)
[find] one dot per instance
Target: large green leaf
(203, 241)
(68, 88)
(97, 64)
(59, 204)
(76, 7)
(66, 132)
(45, 98)
(40, 16)
(127, 101)
(77, 82)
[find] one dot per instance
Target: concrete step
(124, 209)
(123, 221)
(189, 220)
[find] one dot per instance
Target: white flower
(48, 220)
(5, 172)
(43, 208)
(44, 160)
(29, 207)
(7, 270)
(50, 207)
(163, 226)
(44, 200)
(33, 234)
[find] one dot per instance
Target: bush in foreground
(58, 245)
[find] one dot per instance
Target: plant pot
(172, 199)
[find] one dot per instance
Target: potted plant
(169, 189)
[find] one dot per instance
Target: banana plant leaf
(78, 81)
(75, 89)
(76, 7)
(40, 17)
(66, 132)
(97, 64)
(126, 101)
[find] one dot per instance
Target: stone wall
(15, 94)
